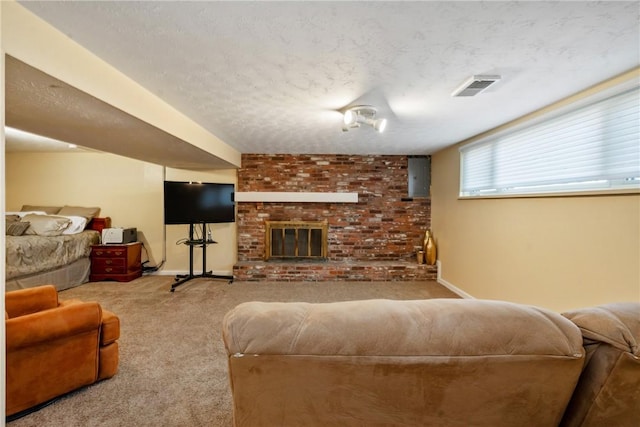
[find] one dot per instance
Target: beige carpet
(173, 368)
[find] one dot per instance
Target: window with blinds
(594, 147)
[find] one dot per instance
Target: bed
(50, 245)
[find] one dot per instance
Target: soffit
(41, 104)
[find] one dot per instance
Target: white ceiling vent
(474, 85)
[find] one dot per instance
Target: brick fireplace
(374, 239)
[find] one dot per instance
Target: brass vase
(429, 248)
(427, 236)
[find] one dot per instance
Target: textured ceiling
(270, 77)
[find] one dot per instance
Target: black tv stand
(204, 242)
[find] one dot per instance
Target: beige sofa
(439, 362)
(608, 393)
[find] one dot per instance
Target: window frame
(532, 120)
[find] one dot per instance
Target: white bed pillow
(46, 225)
(78, 223)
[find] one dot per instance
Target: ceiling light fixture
(355, 116)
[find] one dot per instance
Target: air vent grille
(475, 85)
(480, 84)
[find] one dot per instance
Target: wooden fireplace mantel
(295, 197)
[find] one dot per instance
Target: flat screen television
(198, 202)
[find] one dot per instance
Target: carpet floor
(173, 366)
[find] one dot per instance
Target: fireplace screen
(296, 240)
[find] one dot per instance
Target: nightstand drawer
(100, 264)
(107, 252)
(110, 270)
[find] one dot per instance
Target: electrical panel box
(419, 176)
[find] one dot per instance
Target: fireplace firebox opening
(296, 240)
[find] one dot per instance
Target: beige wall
(129, 191)
(556, 252)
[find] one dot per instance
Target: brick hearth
(372, 240)
(300, 271)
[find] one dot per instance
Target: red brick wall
(379, 227)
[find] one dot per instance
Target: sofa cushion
(30, 300)
(110, 327)
(438, 327)
(617, 324)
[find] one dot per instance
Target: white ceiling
(270, 77)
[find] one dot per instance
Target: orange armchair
(55, 347)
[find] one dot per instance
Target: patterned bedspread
(33, 254)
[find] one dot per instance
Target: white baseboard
(450, 286)
(439, 279)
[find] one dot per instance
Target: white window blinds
(594, 147)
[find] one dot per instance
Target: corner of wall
(451, 286)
